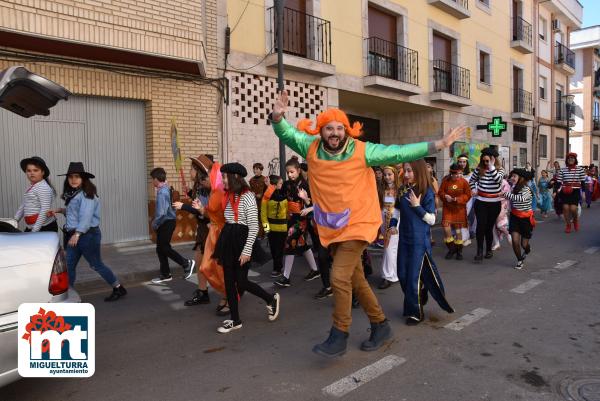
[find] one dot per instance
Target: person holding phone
(486, 184)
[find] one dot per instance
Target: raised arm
(291, 137)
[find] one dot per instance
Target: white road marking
(592, 250)
(467, 319)
(565, 264)
(526, 286)
(363, 376)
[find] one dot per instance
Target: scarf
(70, 194)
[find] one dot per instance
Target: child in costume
(454, 194)
(545, 193)
(274, 221)
(416, 269)
(389, 228)
(522, 221)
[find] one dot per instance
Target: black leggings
(323, 256)
(236, 280)
(486, 214)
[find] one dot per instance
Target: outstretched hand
(280, 106)
(451, 137)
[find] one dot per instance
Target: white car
(32, 265)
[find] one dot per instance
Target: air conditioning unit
(555, 25)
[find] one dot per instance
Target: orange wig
(329, 115)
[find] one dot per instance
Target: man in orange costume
(346, 207)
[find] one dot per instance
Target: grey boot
(335, 345)
(380, 332)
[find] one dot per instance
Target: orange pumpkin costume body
(454, 213)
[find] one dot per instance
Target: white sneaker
(273, 308)
(229, 325)
(162, 279)
(519, 265)
(467, 242)
(189, 270)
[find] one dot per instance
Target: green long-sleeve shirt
(375, 154)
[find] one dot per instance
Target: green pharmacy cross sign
(496, 127)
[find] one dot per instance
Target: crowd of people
(348, 197)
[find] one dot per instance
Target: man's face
(333, 135)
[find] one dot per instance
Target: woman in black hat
(521, 220)
(82, 234)
(37, 200)
(486, 184)
(234, 246)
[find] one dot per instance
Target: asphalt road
(531, 345)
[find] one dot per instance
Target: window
(484, 68)
(543, 146)
(560, 147)
(520, 133)
(543, 27)
(523, 156)
(485, 2)
(595, 152)
(543, 86)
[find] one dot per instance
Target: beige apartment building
(134, 67)
(554, 105)
(585, 87)
(410, 70)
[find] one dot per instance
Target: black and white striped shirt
(522, 200)
(37, 201)
(488, 186)
(571, 176)
(248, 216)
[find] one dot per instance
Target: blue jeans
(88, 246)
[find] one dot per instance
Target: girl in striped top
(234, 246)
(521, 220)
(571, 179)
(486, 184)
(38, 199)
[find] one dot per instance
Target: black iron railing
(304, 35)
(451, 79)
(560, 113)
(563, 54)
(596, 122)
(597, 78)
(522, 102)
(522, 30)
(389, 60)
(463, 3)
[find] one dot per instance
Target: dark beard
(337, 148)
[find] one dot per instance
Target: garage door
(107, 135)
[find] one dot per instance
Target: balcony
(522, 36)
(457, 8)
(451, 84)
(564, 58)
(596, 123)
(597, 80)
(391, 66)
(561, 114)
(306, 42)
(522, 105)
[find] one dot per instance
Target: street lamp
(569, 108)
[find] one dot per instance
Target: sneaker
(528, 250)
(275, 274)
(273, 308)
(162, 279)
(189, 269)
(519, 265)
(200, 297)
(478, 258)
(324, 293)
(229, 325)
(283, 282)
(117, 293)
(313, 274)
(489, 255)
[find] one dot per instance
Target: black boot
(479, 256)
(459, 248)
(200, 297)
(335, 345)
(489, 255)
(451, 249)
(380, 332)
(117, 293)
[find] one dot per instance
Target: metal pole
(279, 37)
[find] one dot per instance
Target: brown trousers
(347, 275)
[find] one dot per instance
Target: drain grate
(580, 387)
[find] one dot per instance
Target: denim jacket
(82, 213)
(164, 210)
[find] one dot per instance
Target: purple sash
(331, 220)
